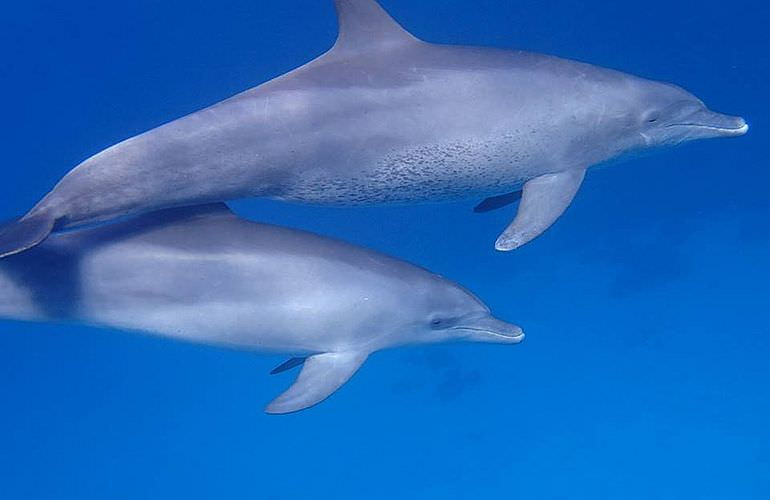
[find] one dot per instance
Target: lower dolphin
(203, 275)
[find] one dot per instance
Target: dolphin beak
(490, 330)
(706, 124)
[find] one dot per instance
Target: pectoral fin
(543, 200)
(321, 375)
(496, 202)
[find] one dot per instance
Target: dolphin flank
(386, 118)
(201, 274)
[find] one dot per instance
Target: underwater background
(644, 374)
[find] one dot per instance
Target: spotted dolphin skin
(386, 118)
(203, 275)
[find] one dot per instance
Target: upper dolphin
(386, 118)
(202, 274)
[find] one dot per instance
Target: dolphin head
(481, 327)
(670, 115)
(374, 302)
(627, 115)
(446, 312)
(657, 114)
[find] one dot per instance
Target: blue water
(645, 371)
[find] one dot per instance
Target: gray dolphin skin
(201, 274)
(386, 118)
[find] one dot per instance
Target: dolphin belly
(429, 172)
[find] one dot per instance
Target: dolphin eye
(437, 323)
(442, 323)
(652, 119)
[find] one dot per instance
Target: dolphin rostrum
(386, 118)
(201, 274)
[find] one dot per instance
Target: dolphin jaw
(497, 332)
(715, 131)
(719, 131)
(497, 338)
(707, 124)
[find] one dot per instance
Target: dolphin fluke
(22, 234)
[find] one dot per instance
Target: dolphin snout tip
(739, 126)
(743, 126)
(514, 335)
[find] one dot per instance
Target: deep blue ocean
(645, 373)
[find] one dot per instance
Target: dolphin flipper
(543, 200)
(22, 234)
(495, 202)
(321, 375)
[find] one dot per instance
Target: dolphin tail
(22, 234)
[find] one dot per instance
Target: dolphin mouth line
(518, 336)
(729, 130)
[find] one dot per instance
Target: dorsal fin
(364, 25)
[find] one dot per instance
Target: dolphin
(383, 118)
(203, 275)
